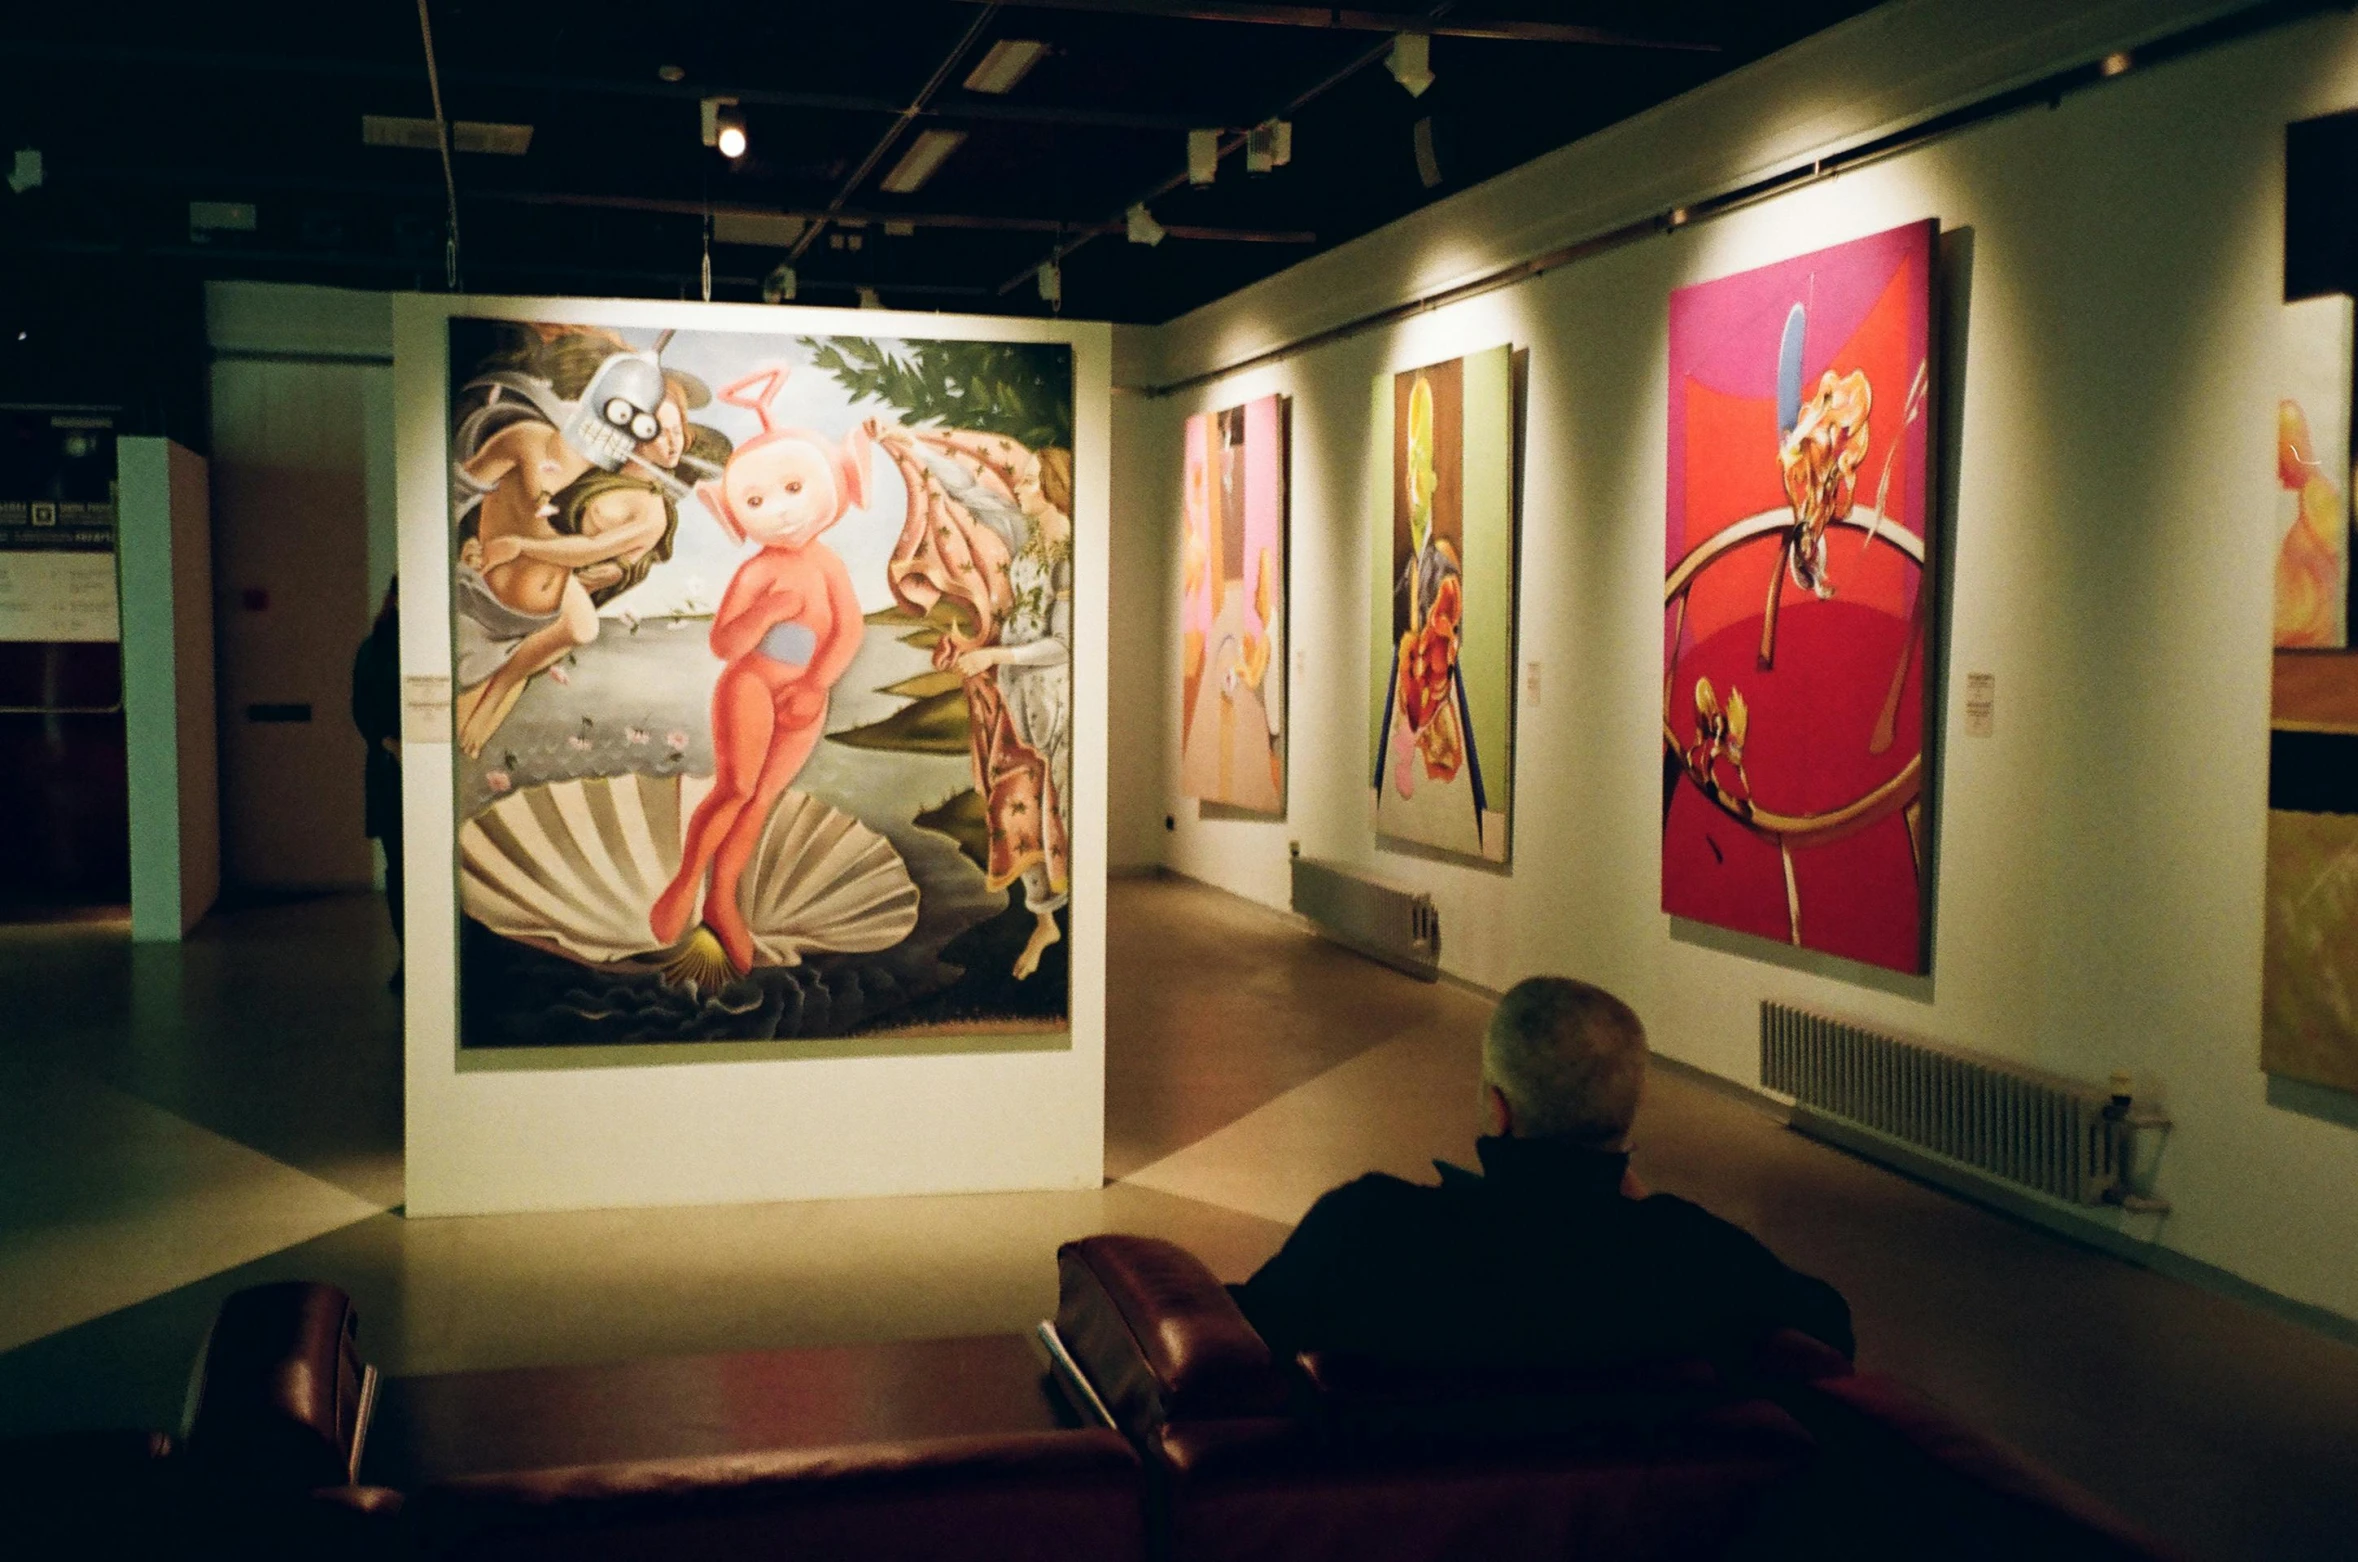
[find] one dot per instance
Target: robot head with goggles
(618, 411)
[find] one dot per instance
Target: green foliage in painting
(964, 820)
(934, 725)
(1023, 390)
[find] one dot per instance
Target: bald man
(1552, 1254)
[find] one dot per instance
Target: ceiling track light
(780, 285)
(1269, 145)
(1411, 62)
(724, 127)
(1203, 156)
(1428, 160)
(1142, 227)
(1051, 279)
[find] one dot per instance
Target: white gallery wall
(2105, 461)
(303, 527)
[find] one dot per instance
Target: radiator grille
(2037, 1130)
(1382, 921)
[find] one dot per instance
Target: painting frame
(1235, 629)
(1797, 750)
(1444, 536)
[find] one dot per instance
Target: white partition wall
(165, 548)
(633, 1122)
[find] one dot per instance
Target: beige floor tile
(106, 1201)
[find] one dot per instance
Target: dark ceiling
(140, 109)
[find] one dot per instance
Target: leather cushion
(1981, 1485)
(1160, 1336)
(1031, 1495)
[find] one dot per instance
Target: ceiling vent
(1009, 61)
(926, 154)
(466, 135)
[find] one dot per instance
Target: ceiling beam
(220, 181)
(1337, 19)
(967, 109)
(901, 122)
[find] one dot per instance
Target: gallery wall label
(1798, 594)
(1442, 535)
(1232, 608)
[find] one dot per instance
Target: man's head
(1563, 1060)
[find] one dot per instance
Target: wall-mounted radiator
(2056, 1136)
(1382, 921)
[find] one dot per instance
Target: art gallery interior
(1331, 343)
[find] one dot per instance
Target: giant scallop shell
(574, 866)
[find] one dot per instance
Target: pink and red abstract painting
(1798, 601)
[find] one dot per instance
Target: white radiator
(2055, 1136)
(1382, 921)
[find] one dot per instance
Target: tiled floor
(178, 1123)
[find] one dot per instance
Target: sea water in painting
(2309, 1008)
(1233, 608)
(1798, 596)
(762, 647)
(1443, 606)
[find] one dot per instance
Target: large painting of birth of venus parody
(762, 654)
(1443, 605)
(1233, 608)
(2309, 1007)
(1798, 596)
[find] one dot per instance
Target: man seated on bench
(1553, 1254)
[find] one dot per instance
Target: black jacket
(1538, 1261)
(376, 711)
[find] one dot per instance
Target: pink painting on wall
(1798, 596)
(1232, 609)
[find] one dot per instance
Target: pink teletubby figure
(787, 627)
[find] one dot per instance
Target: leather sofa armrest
(1160, 1337)
(1794, 1357)
(281, 1393)
(1994, 1492)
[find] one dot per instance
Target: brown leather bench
(1794, 1454)
(922, 1449)
(1205, 1450)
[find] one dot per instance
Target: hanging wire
(450, 247)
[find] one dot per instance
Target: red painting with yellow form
(1798, 599)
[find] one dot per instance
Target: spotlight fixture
(2115, 64)
(779, 286)
(26, 173)
(1411, 62)
(869, 298)
(1203, 156)
(724, 127)
(924, 158)
(1051, 279)
(1008, 62)
(1269, 146)
(1428, 161)
(670, 73)
(1143, 229)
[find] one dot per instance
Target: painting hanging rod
(2049, 91)
(1327, 18)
